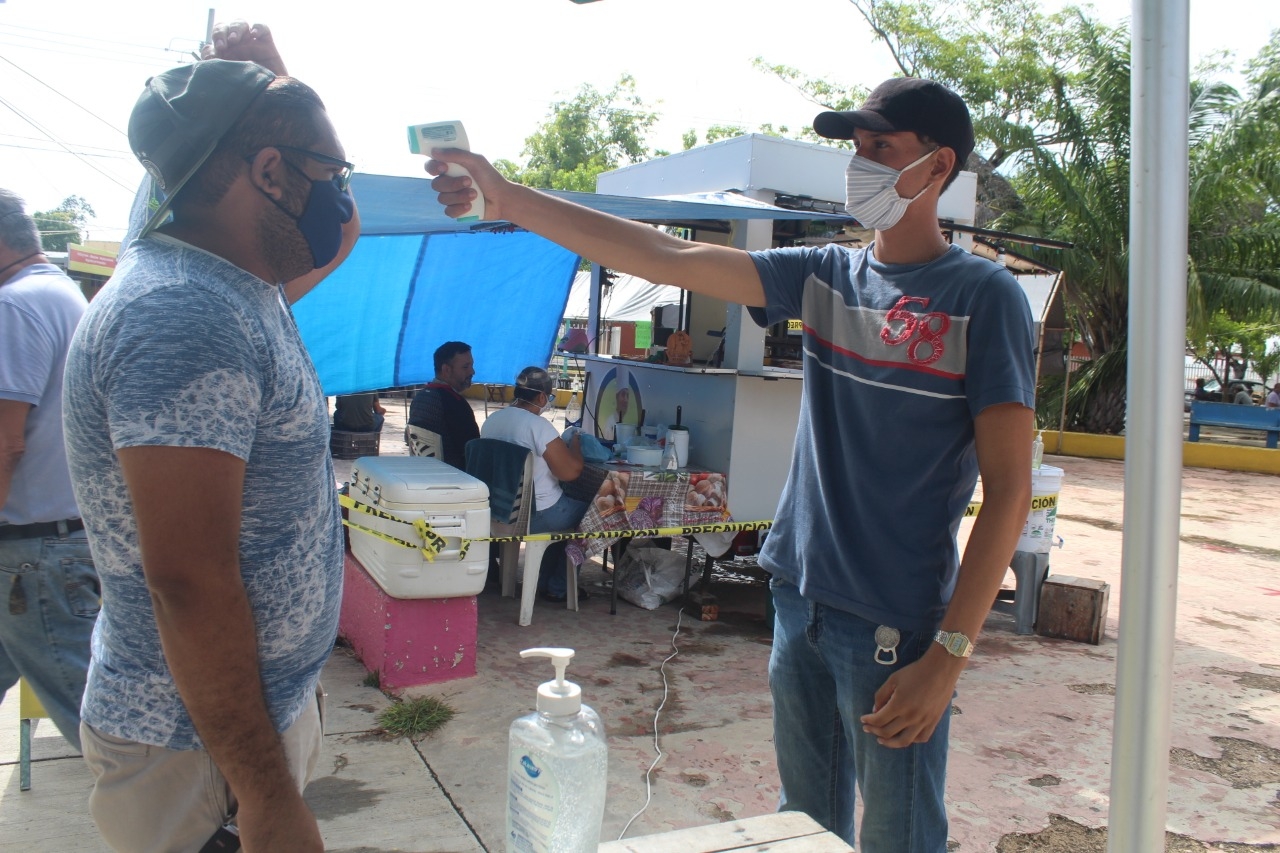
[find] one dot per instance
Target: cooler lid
(412, 482)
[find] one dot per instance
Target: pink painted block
(407, 641)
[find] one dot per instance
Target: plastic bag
(592, 449)
(649, 576)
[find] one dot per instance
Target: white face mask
(871, 194)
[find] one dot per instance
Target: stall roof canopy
(392, 205)
(417, 278)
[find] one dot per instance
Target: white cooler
(413, 487)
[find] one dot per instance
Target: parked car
(1257, 390)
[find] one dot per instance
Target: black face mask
(320, 224)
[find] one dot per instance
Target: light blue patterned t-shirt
(183, 349)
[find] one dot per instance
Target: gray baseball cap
(181, 116)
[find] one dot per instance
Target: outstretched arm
(610, 241)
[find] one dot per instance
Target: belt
(39, 530)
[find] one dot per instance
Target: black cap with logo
(182, 115)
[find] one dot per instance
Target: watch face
(955, 643)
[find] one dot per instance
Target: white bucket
(1037, 535)
(679, 436)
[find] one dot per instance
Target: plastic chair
(29, 710)
(507, 469)
(422, 442)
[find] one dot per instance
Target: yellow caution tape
(432, 543)
(1038, 503)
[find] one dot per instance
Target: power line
(64, 97)
(71, 35)
(65, 150)
(90, 52)
(58, 142)
(75, 42)
(83, 145)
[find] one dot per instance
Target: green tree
(1078, 190)
(1050, 100)
(63, 224)
(718, 132)
(590, 133)
(1239, 344)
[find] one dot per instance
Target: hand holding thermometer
(446, 134)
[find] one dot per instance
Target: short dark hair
(447, 350)
(286, 113)
(17, 230)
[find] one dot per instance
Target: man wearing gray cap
(918, 376)
(48, 587)
(198, 443)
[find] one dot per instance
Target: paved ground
(1031, 744)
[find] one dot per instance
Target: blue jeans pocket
(83, 590)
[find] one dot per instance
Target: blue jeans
(564, 514)
(824, 676)
(49, 599)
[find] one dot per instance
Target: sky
(71, 70)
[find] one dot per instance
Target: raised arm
(245, 42)
(610, 241)
(187, 502)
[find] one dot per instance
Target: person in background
(621, 404)
(440, 406)
(199, 450)
(1242, 396)
(1273, 398)
(919, 374)
(359, 413)
(48, 587)
(1201, 393)
(554, 462)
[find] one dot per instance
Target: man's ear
(266, 171)
(943, 164)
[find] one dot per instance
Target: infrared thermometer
(446, 134)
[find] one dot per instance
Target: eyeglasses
(343, 177)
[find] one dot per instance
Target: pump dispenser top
(560, 697)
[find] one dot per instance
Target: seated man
(359, 413)
(441, 408)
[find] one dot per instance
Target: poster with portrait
(617, 401)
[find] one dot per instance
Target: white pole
(1153, 449)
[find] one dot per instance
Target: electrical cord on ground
(648, 786)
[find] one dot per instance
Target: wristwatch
(955, 643)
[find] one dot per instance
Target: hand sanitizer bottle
(1037, 450)
(557, 769)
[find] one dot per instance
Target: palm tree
(1078, 191)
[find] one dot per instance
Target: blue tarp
(417, 278)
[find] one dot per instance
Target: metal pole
(1153, 447)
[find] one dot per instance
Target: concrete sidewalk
(1031, 735)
